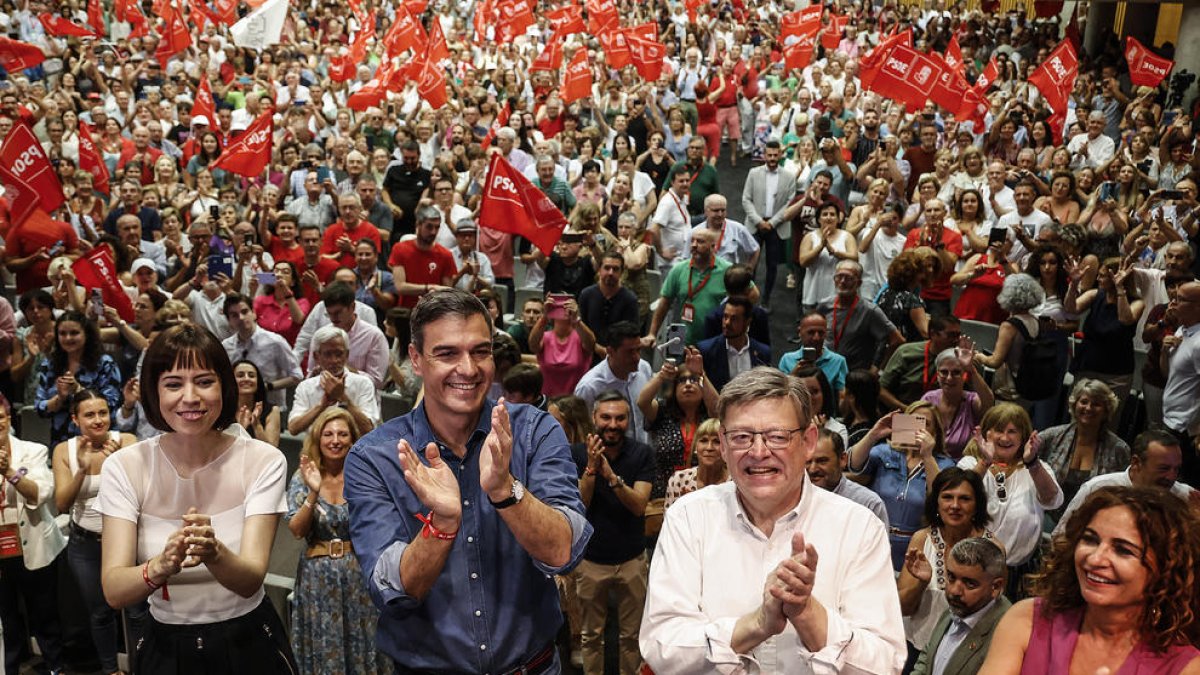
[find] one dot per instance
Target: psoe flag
(261, 28)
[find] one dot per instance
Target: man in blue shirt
(457, 553)
(813, 328)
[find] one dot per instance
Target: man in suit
(733, 352)
(768, 190)
(975, 576)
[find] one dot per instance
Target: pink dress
(563, 363)
(1052, 643)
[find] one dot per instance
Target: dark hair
(939, 324)
(92, 349)
(830, 408)
(1141, 444)
(232, 300)
(744, 304)
(865, 386)
(824, 173)
(398, 318)
(505, 352)
(774, 144)
(1171, 555)
(829, 204)
(610, 396)
(38, 295)
(576, 415)
(295, 287)
(183, 346)
(835, 440)
(948, 479)
(441, 303)
(523, 378)
(622, 331)
(1034, 264)
(260, 391)
(738, 279)
(85, 394)
(590, 165)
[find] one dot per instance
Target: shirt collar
(422, 431)
(974, 619)
(734, 350)
(797, 511)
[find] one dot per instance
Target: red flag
(406, 33)
(436, 49)
(647, 57)
(16, 55)
(907, 76)
(831, 37)
(974, 108)
(137, 20)
(577, 83)
(987, 77)
(227, 11)
(204, 104)
(869, 65)
(797, 55)
(550, 58)
(803, 21)
(175, 36)
(1146, 69)
(1044, 9)
(368, 95)
(566, 20)
(28, 177)
(951, 88)
(516, 16)
(954, 57)
(645, 31)
(119, 9)
(343, 67)
(1055, 78)
(95, 270)
(692, 6)
(416, 7)
(95, 17)
(602, 16)
(616, 48)
(498, 123)
(57, 26)
(1071, 32)
(431, 83)
(250, 153)
(512, 204)
(90, 158)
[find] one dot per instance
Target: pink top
(1052, 644)
(563, 363)
(276, 318)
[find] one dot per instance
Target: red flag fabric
(602, 16)
(645, 31)
(406, 33)
(1071, 32)
(204, 104)
(95, 17)
(803, 21)
(831, 37)
(951, 87)
(616, 48)
(1146, 69)
(566, 20)
(137, 20)
(577, 83)
(175, 36)
(57, 26)
(498, 123)
(1045, 9)
(987, 77)
(550, 59)
(368, 95)
(95, 270)
(227, 11)
(436, 48)
(250, 153)
(647, 57)
(28, 177)
(516, 16)
(416, 7)
(954, 58)
(1055, 78)
(797, 55)
(692, 6)
(119, 9)
(907, 76)
(974, 108)
(431, 83)
(512, 204)
(869, 65)
(16, 55)
(90, 159)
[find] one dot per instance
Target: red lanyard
(689, 435)
(925, 377)
(837, 335)
(720, 239)
(703, 282)
(679, 205)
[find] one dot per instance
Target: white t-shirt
(876, 260)
(139, 484)
(1032, 224)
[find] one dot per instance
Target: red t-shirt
(25, 239)
(364, 230)
(552, 127)
(421, 267)
(279, 253)
(152, 155)
(324, 269)
(729, 96)
(952, 240)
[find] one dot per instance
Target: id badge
(10, 541)
(689, 312)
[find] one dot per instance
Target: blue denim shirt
(903, 495)
(493, 606)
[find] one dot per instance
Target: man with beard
(615, 477)
(733, 352)
(768, 190)
(868, 139)
(403, 185)
(695, 289)
(975, 573)
(825, 467)
(421, 265)
(606, 302)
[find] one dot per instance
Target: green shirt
(903, 374)
(708, 289)
(703, 184)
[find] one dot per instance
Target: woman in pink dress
(564, 353)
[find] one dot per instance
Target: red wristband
(430, 531)
(166, 595)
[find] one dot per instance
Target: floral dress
(333, 618)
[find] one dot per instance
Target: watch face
(518, 491)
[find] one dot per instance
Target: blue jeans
(83, 556)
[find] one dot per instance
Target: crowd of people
(996, 351)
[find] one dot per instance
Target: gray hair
(507, 133)
(1097, 391)
(981, 553)
(762, 383)
(711, 200)
(441, 303)
(851, 264)
(950, 354)
(1020, 293)
(327, 333)
(427, 212)
(543, 159)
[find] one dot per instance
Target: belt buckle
(337, 548)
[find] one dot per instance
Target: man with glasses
(912, 369)
(777, 529)
(315, 208)
(340, 238)
(857, 327)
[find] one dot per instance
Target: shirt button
(478, 613)
(474, 575)
(466, 502)
(470, 540)
(483, 648)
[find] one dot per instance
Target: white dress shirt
(671, 217)
(271, 354)
(772, 189)
(359, 389)
(1118, 479)
(736, 244)
(739, 359)
(1099, 151)
(710, 568)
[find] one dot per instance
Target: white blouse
(1017, 519)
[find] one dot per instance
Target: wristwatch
(518, 493)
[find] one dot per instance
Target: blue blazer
(716, 360)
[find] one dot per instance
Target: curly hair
(1097, 391)
(1033, 266)
(1171, 554)
(1020, 294)
(905, 270)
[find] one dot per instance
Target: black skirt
(254, 643)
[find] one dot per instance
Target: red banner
(28, 177)
(797, 55)
(577, 83)
(16, 55)
(512, 204)
(95, 17)
(831, 37)
(406, 33)
(950, 88)
(174, 38)
(616, 48)
(870, 64)
(602, 16)
(987, 77)
(251, 152)
(204, 104)
(807, 20)
(647, 57)
(550, 59)
(57, 26)
(436, 49)
(566, 20)
(1056, 76)
(431, 83)
(907, 76)
(954, 57)
(96, 269)
(516, 16)
(90, 159)
(137, 20)
(1146, 69)
(499, 123)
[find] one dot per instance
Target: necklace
(939, 555)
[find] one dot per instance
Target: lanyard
(837, 335)
(691, 293)
(688, 431)
(720, 239)
(679, 205)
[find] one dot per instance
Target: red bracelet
(430, 531)
(166, 595)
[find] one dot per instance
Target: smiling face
(189, 399)
(707, 448)
(1007, 441)
(956, 505)
(246, 376)
(1109, 560)
(71, 337)
(824, 466)
(611, 419)
(455, 363)
(768, 479)
(92, 418)
(335, 440)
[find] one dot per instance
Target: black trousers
(39, 589)
(255, 643)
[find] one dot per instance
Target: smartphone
(266, 278)
(248, 239)
(808, 354)
(1172, 194)
(997, 236)
(676, 342)
(1169, 117)
(905, 427)
(96, 304)
(56, 249)
(324, 173)
(1108, 190)
(219, 263)
(556, 306)
(214, 212)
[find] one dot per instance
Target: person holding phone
(564, 353)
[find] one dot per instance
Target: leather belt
(334, 548)
(899, 532)
(538, 663)
(78, 529)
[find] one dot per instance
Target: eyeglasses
(1001, 492)
(775, 439)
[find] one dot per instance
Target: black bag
(1038, 376)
